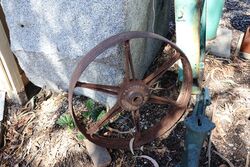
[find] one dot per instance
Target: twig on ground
(131, 131)
(224, 158)
(211, 135)
(156, 86)
(153, 161)
(224, 59)
(19, 116)
(247, 159)
(131, 143)
(34, 155)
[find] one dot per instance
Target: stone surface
(49, 37)
(99, 155)
(2, 108)
(221, 46)
(2, 104)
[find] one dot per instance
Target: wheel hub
(133, 95)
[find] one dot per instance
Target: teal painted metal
(187, 19)
(191, 36)
(198, 127)
(202, 40)
(214, 12)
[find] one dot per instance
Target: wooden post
(4, 81)
(9, 69)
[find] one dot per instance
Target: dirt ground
(34, 137)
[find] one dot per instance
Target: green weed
(90, 104)
(80, 136)
(66, 120)
(94, 112)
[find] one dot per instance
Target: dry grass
(229, 84)
(34, 139)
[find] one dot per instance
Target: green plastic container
(214, 12)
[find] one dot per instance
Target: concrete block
(49, 37)
(237, 50)
(221, 45)
(99, 155)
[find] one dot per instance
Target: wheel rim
(132, 94)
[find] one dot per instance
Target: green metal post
(187, 19)
(202, 40)
(214, 12)
(191, 36)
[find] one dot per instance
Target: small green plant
(94, 112)
(90, 104)
(101, 114)
(80, 136)
(66, 120)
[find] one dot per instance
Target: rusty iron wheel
(132, 94)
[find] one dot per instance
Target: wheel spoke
(162, 100)
(94, 127)
(136, 121)
(102, 88)
(152, 78)
(129, 68)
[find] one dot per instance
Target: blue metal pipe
(198, 126)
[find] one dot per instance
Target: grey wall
(49, 37)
